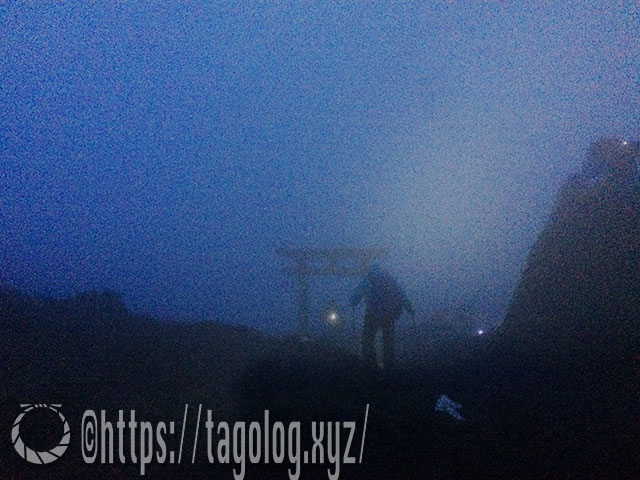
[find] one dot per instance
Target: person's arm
(406, 303)
(360, 291)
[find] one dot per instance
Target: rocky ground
(524, 417)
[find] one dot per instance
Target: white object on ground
(445, 404)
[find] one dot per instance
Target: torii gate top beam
(331, 261)
(313, 253)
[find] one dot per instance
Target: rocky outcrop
(579, 294)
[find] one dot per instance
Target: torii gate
(325, 261)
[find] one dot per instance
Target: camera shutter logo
(31, 455)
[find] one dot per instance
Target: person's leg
(388, 343)
(368, 341)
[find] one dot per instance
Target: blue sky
(166, 150)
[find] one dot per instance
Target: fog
(167, 151)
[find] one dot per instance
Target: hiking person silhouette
(385, 301)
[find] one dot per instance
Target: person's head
(376, 270)
(612, 157)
